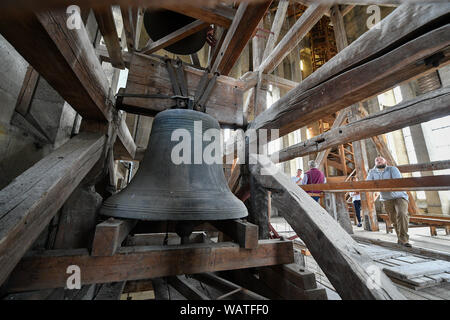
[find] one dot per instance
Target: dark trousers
(316, 198)
(357, 205)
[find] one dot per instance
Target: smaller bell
(160, 23)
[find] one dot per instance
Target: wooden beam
(441, 182)
(125, 145)
(347, 9)
(337, 18)
(345, 264)
(224, 285)
(216, 282)
(244, 24)
(48, 270)
(27, 91)
(109, 236)
(138, 286)
(174, 37)
(195, 60)
(279, 82)
(292, 38)
(149, 75)
(287, 289)
(244, 233)
(363, 78)
(247, 279)
(156, 239)
(103, 55)
(220, 15)
(52, 4)
(138, 15)
(294, 273)
(65, 58)
(110, 291)
(29, 203)
(276, 27)
(419, 167)
(229, 36)
(129, 26)
(107, 27)
(213, 53)
(368, 210)
(322, 156)
(186, 289)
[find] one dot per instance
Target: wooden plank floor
(419, 237)
(420, 288)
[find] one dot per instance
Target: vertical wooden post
(337, 208)
(259, 202)
(339, 27)
(367, 202)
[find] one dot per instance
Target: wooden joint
(109, 235)
(242, 232)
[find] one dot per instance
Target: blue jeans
(316, 198)
(357, 205)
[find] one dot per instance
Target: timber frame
(415, 41)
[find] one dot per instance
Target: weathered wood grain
(186, 289)
(48, 270)
(248, 22)
(366, 67)
(65, 58)
(345, 264)
(149, 76)
(220, 15)
(276, 27)
(426, 107)
(292, 38)
(174, 37)
(107, 27)
(430, 166)
(244, 233)
(441, 182)
(110, 291)
(109, 235)
(29, 203)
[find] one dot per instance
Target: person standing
(395, 202)
(298, 178)
(356, 199)
(313, 176)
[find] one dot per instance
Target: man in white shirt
(298, 178)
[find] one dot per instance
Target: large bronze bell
(160, 23)
(165, 191)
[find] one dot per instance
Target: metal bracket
(180, 89)
(179, 85)
(204, 89)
